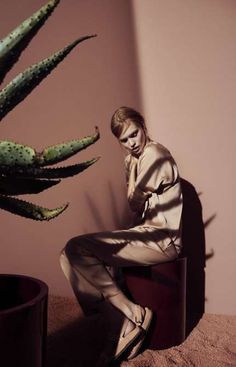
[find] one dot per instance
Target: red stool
(162, 288)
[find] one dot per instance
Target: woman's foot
(118, 341)
(133, 333)
(130, 333)
(138, 320)
(144, 326)
(129, 339)
(131, 310)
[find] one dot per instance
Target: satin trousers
(91, 262)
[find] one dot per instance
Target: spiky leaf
(21, 186)
(48, 173)
(12, 154)
(15, 42)
(60, 152)
(29, 210)
(25, 82)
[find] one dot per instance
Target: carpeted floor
(75, 341)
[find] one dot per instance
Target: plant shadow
(76, 344)
(194, 248)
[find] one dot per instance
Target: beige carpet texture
(76, 341)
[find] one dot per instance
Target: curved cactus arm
(64, 172)
(48, 173)
(13, 154)
(21, 186)
(25, 82)
(60, 152)
(29, 210)
(15, 42)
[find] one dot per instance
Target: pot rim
(43, 292)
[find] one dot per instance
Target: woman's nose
(131, 142)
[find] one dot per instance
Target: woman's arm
(155, 172)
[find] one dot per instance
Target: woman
(154, 195)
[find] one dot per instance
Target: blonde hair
(120, 117)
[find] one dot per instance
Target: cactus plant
(23, 170)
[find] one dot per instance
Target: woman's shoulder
(128, 159)
(155, 150)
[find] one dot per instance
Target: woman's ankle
(121, 302)
(134, 312)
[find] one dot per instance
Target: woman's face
(133, 138)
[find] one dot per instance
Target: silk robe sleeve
(154, 172)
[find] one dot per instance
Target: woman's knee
(76, 246)
(172, 252)
(70, 247)
(68, 255)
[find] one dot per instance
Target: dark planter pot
(23, 321)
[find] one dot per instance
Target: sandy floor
(74, 341)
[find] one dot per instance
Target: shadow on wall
(194, 248)
(120, 218)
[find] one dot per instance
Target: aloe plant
(23, 170)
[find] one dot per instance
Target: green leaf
(15, 42)
(19, 88)
(29, 210)
(49, 173)
(21, 186)
(12, 154)
(60, 152)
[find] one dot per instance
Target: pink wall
(187, 61)
(178, 67)
(84, 91)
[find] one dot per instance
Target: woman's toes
(139, 314)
